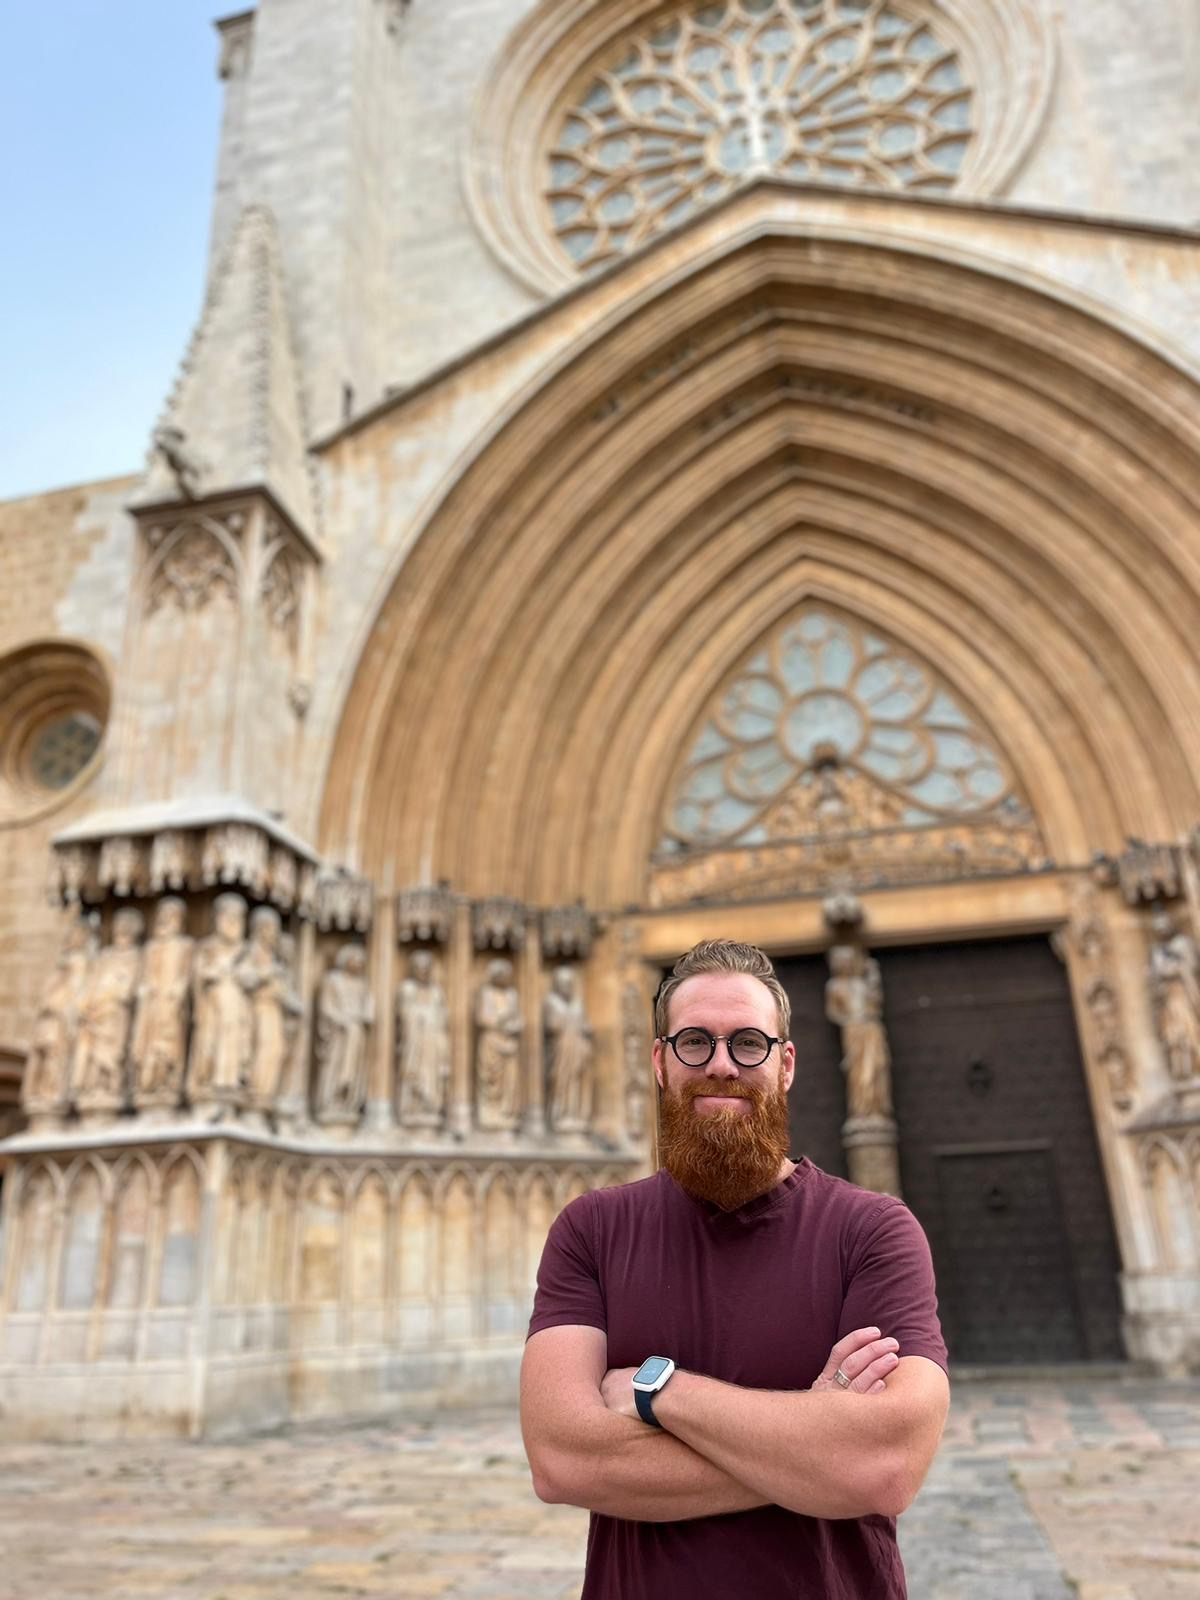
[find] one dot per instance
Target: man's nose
(722, 1064)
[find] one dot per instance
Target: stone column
(381, 1090)
(462, 1025)
(529, 986)
(293, 1106)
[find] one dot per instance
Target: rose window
(829, 728)
(705, 98)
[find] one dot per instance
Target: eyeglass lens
(748, 1047)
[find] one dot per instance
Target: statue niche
(105, 1017)
(344, 1013)
(498, 1025)
(159, 1047)
(1175, 991)
(422, 1044)
(221, 1039)
(47, 1074)
(568, 1054)
(274, 1005)
(854, 1001)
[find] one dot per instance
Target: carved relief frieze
(344, 901)
(224, 854)
(1174, 978)
(194, 560)
(498, 923)
(567, 931)
(1103, 1024)
(235, 853)
(74, 874)
(423, 913)
(172, 860)
(1143, 872)
(122, 865)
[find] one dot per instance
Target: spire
(235, 418)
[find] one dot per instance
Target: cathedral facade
(642, 472)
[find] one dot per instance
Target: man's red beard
(727, 1156)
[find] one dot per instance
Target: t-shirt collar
(760, 1205)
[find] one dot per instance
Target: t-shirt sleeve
(891, 1284)
(568, 1279)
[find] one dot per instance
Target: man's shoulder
(848, 1202)
(615, 1202)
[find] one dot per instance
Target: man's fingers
(869, 1362)
(877, 1387)
(846, 1347)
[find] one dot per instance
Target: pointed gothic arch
(993, 475)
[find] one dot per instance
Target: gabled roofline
(400, 396)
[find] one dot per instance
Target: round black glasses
(695, 1047)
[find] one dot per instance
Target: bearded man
(751, 1458)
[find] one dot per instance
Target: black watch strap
(645, 1404)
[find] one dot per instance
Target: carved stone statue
(422, 1044)
(105, 1016)
(160, 1024)
(568, 1054)
(265, 977)
(498, 1025)
(54, 1030)
(344, 1013)
(854, 1001)
(1175, 989)
(222, 1035)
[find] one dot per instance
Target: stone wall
(218, 1284)
(64, 572)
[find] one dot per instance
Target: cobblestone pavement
(1042, 1491)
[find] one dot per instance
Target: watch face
(652, 1369)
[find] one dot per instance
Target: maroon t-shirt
(756, 1297)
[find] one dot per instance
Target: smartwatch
(649, 1378)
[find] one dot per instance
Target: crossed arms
(823, 1452)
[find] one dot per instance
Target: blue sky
(109, 120)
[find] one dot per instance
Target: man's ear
(789, 1063)
(657, 1056)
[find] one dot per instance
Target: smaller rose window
(705, 97)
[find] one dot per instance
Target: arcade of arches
(828, 592)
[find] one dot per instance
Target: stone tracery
(703, 98)
(829, 732)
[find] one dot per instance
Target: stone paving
(1042, 1491)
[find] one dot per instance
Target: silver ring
(840, 1378)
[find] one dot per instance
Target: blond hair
(722, 955)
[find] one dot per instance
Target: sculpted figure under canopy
(854, 1001)
(106, 1014)
(265, 977)
(344, 1013)
(221, 1040)
(54, 1031)
(568, 1054)
(161, 1020)
(1175, 989)
(422, 1044)
(498, 1026)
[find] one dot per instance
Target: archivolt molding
(998, 479)
(1005, 48)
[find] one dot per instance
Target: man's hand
(865, 1358)
(616, 1389)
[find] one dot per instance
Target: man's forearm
(620, 1468)
(821, 1454)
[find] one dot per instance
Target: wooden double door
(998, 1155)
